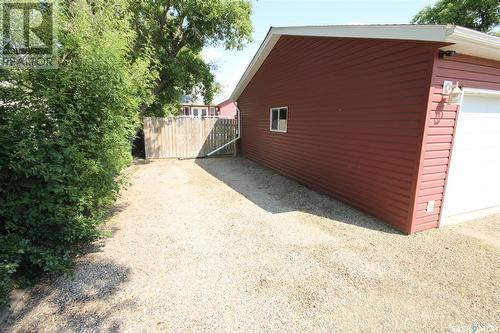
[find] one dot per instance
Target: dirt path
(224, 244)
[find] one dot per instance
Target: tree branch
(178, 38)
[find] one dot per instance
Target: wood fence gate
(179, 137)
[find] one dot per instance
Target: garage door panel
(481, 104)
(471, 202)
(474, 173)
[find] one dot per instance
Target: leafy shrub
(65, 137)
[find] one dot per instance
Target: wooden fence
(188, 137)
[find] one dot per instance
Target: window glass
(274, 124)
(282, 119)
(279, 119)
(283, 113)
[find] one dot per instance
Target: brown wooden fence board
(187, 137)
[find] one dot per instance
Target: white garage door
(474, 174)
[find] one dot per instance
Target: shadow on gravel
(70, 300)
(111, 228)
(278, 194)
(104, 278)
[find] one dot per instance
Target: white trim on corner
(450, 160)
(271, 118)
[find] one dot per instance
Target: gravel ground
(227, 245)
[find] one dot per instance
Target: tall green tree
(66, 137)
(482, 15)
(175, 32)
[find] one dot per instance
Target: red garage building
(227, 109)
(363, 113)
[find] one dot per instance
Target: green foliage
(176, 31)
(482, 15)
(66, 136)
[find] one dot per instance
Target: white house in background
(194, 110)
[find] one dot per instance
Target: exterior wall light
(453, 91)
(455, 95)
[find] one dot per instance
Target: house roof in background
(225, 102)
(459, 39)
(194, 104)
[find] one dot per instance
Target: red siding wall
(227, 109)
(472, 73)
(356, 119)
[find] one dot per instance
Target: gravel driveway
(224, 244)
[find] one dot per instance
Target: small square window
(279, 119)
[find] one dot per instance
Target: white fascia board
(474, 43)
(261, 55)
(466, 41)
(435, 33)
(389, 31)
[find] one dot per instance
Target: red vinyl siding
(471, 73)
(355, 121)
(227, 109)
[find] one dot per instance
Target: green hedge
(65, 137)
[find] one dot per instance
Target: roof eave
(464, 41)
(264, 49)
(474, 43)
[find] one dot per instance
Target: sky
(266, 13)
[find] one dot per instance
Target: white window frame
(204, 109)
(271, 119)
(198, 112)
